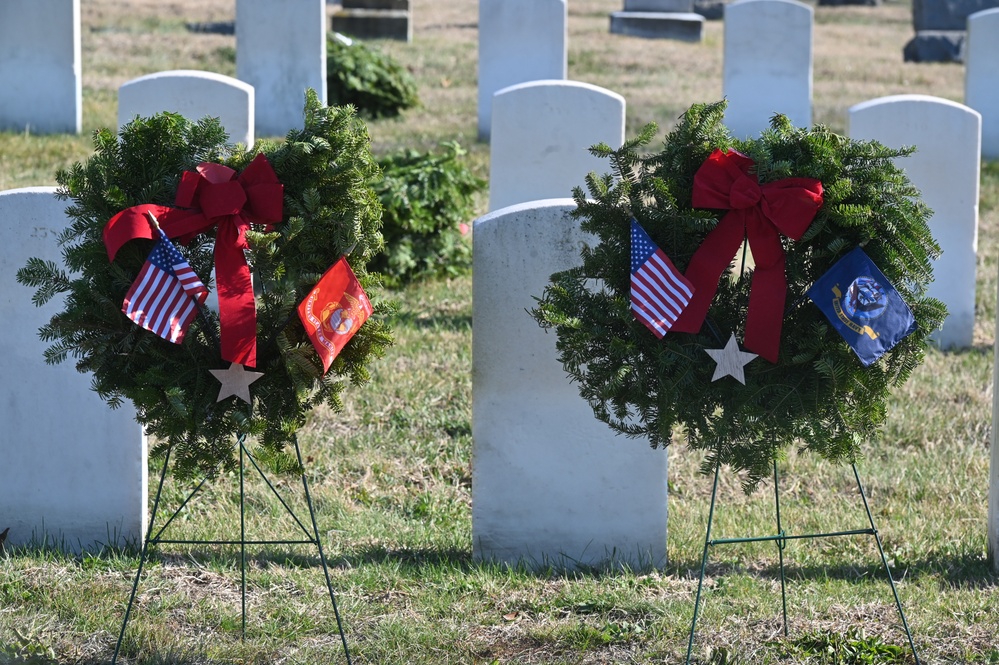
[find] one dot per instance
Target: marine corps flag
(863, 306)
(334, 310)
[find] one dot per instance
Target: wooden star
(235, 381)
(730, 361)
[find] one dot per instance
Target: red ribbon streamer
(761, 213)
(214, 196)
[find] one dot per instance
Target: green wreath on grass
(814, 392)
(327, 209)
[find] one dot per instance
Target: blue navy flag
(862, 306)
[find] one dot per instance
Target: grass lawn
(391, 474)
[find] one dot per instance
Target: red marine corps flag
(334, 310)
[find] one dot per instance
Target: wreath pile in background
(328, 209)
(814, 392)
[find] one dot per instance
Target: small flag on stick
(659, 292)
(862, 306)
(334, 310)
(165, 297)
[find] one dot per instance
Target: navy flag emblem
(862, 306)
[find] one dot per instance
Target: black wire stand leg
(704, 563)
(884, 561)
(781, 538)
(142, 559)
(311, 537)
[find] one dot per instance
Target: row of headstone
(74, 470)
(41, 88)
(280, 51)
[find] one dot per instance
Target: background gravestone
(981, 80)
(767, 65)
(40, 85)
(993, 510)
(659, 19)
(551, 485)
(946, 169)
(519, 41)
(281, 51)
(194, 95)
(541, 135)
(74, 470)
(941, 27)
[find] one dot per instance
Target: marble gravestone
(541, 135)
(981, 81)
(945, 168)
(767, 66)
(519, 41)
(281, 51)
(194, 95)
(74, 470)
(41, 89)
(551, 485)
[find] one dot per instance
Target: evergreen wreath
(817, 394)
(328, 209)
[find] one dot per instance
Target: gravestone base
(659, 6)
(373, 23)
(682, 26)
(935, 46)
(842, 3)
(375, 4)
(712, 10)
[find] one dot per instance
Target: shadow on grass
(434, 320)
(955, 571)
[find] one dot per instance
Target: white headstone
(194, 95)
(40, 85)
(946, 169)
(541, 134)
(281, 51)
(551, 485)
(74, 470)
(519, 41)
(993, 511)
(981, 82)
(767, 64)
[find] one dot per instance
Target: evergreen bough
(818, 395)
(328, 208)
(425, 198)
(372, 81)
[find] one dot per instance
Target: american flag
(658, 291)
(165, 296)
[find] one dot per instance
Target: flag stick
(202, 312)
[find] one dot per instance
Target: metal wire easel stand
(781, 539)
(311, 538)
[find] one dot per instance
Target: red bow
(213, 196)
(761, 213)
